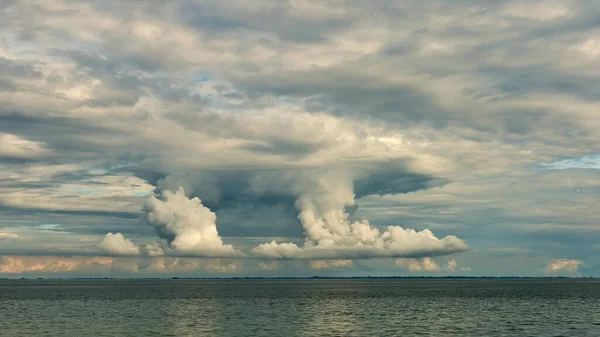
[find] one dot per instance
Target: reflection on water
(360, 307)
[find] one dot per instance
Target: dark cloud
(288, 23)
(244, 210)
(341, 92)
(394, 181)
(91, 213)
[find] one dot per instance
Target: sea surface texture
(312, 307)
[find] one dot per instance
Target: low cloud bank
(394, 242)
(108, 265)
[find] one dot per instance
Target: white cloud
(564, 266)
(589, 47)
(15, 146)
(322, 202)
(424, 264)
(4, 235)
(278, 250)
(327, 264)
(188, 226)
(117, 244)
(394, 242)
(451, 264)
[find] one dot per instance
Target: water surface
(315, 307)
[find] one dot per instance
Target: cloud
(187, 225)
(585, 162)
(71, 188)
(4, 236)
(112, 265)
(272, 265)
(327, 264)
(263, 202)
(451, 264)
(17, 147)
(20, 265)
(538, 10)
(394, 242)
(117, 244)
(276, 250)
(563, 266)
(424, 264)
(423, 116)
(323, 201)
(169, 265)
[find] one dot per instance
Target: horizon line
(175, 278)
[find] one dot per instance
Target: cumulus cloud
(323, 203)
(276, 250)
(188, 226)
(394, 242)
(563, 266)
(153, 249)
(451, 264)
(323, 200)
(424, 264)
(118, 244)
(327, 264)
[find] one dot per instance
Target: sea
(301, 307)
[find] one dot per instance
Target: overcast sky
(299, 138)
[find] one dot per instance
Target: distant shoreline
(176, 278)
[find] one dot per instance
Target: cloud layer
(302, 130)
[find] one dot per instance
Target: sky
(299, 138)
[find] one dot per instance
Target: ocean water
(313, 307)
